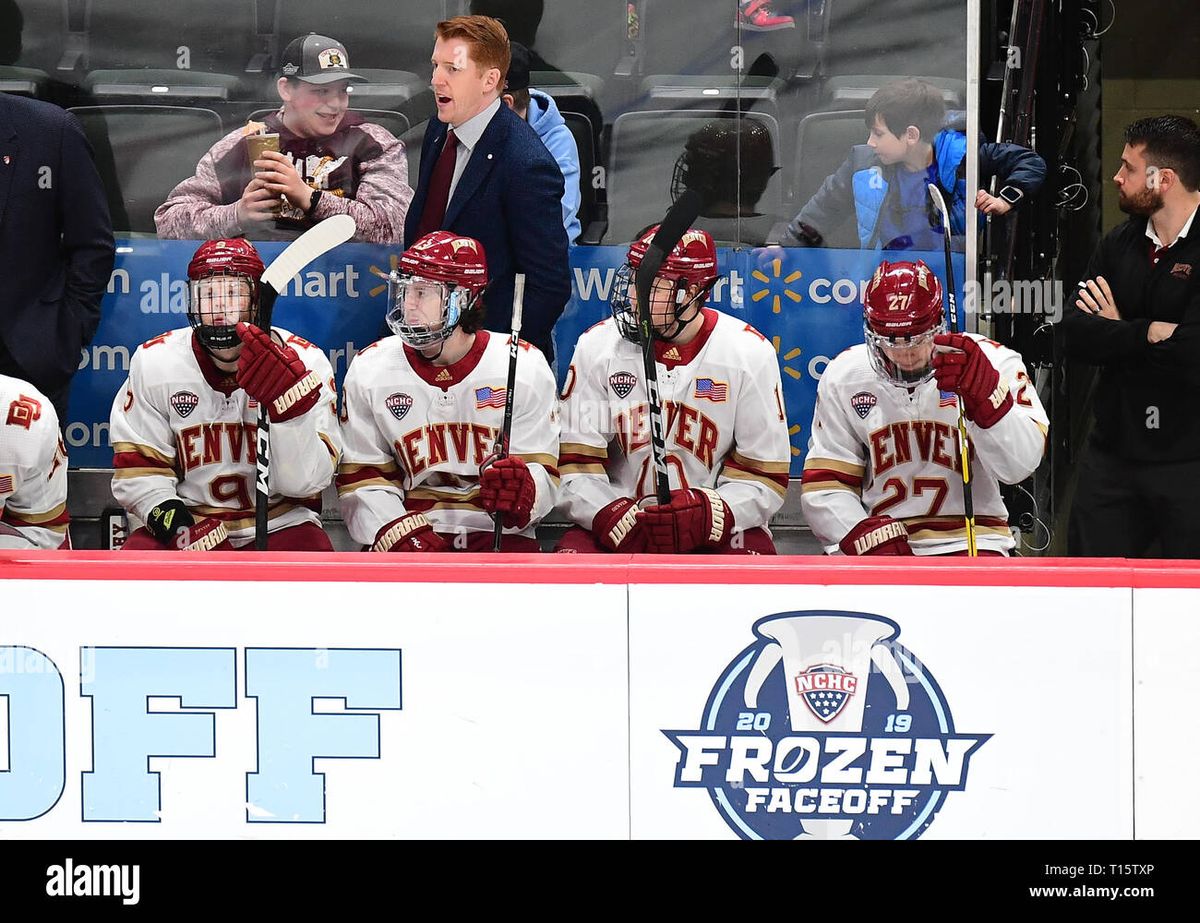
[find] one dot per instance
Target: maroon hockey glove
(877, 535)
(971, 374)
(618, 528)
(411, 532)
(695, 518)
(506, 487)
(274, 375)
(173, 525)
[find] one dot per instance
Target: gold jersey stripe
(35, 519)
(146, 450)
(739, 475)
(767, 467)
(571, 468)
(832, 464)
(383, 467)
(343, 489)
(579, 448)
(122, 473)
(808, 487)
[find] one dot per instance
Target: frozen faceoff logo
(826, 728)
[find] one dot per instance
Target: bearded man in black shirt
(1137, 317)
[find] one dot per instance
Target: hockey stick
(316, 241)
(952, 301)
(502, 440)
(673, 227)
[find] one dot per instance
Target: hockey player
(422, 409)
(184, 426)
(883, 474)
(33, 470)
(725, 426)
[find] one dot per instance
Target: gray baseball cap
(317, 59)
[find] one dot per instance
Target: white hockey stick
(313, 243)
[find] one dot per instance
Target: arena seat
(645, 146)
(581, 130)
(30, 45)
(680, 91)
(851, 91)
(823, 139)
(197, 52)
(143, 152)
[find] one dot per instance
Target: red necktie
(439, 188)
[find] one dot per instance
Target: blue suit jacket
(509, 198)
(56, 242)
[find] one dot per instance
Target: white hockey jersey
(33, 467)
(723, 417)
(878, 449)
(182, 428)
(415, 434)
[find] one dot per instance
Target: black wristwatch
(316, 197)
(1012, 195)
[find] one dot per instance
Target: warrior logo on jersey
(399, 404)
(489, 397)
(709, 390)
(863, 403)
(184, 402)
(1182, 270)
(622, 383)
(825, 727)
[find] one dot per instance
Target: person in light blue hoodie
(540, 111)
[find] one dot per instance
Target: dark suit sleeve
(1098, 340)
(87, 237)
(1012, 165)
(539, 244)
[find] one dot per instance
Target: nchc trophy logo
(826, 728)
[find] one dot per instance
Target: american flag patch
(6, 484)
(490, 397)
(709, 390)
(947, 399)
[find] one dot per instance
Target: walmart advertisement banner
(806, 302)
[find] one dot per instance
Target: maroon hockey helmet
(902, 313)
(223, 286)
(443, 275)
(690, 267)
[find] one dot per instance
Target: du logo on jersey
(826, 728)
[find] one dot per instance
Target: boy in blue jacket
(913, 141)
